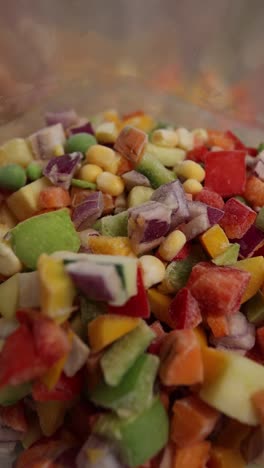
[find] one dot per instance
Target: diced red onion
(250, 242)
(196, 226)
(85, 128)
(60, 170)
(85, 214)
(196, 208)
(97, 282)
(259, 170)
(214, 215)
(77, 357)
(44, 141)
(241, 334)
(7, 449)
(67, 118)
(147, 225)
(173, 196)
(133, 179)
(104, 447)
(9, 435)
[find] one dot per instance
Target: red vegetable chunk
(210, 198)
(198, 154)
(237, 142)
(184, 310)
(225, 172)
(14, 416)
(65, 389)
(218, 290)
(237, 219)
(136, 306)
(260, 339)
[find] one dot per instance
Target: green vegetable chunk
(254, 309)
(139, 438)
(228, 257)
(152, 168)
(11, 394)
(134, 392)
(79, 142)
(83, 184)
(119, 357)
(34, 171)
(12, 177)
(46, 233)
(113, 225)
(260, 219)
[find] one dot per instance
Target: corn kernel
(153, 270)
(164, 137)
(106, 132)
(186, 139)
(103, 157)
(172, 245)
(58, 150)
(200, 136)
(190, 170)
(89, 172)
(110, 183)
(139, 195)
(192, 186)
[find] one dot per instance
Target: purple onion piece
(133, 179)
(85, 214)
(250, 242)
(97, 282)
(259, 170)
(241, 334)
(77, 356)
(7, 448)
(147, 225)
(9, 435)
(85, 128)
(173, 196)
(67, 118)
(44, 141)
(60, 170)
(214, 215)
(196, 226)
(106, 448)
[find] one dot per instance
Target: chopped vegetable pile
(131, 295)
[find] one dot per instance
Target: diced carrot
(192, 421)
(222, 457)
(181, 359)
(232, 433)
(124, 166)
(54, 197)
(214, 363)
(130, 115)
(254, 191)
(218, 325)
(218, 138)
(195, 456)
(108, 204)
(258, 401)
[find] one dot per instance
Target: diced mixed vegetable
(131, 295)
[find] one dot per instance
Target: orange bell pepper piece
(195, 456)
(222, 457)
(258, 401)
(218, 325)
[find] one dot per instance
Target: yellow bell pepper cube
(24, 203)
(222, 457)
(255, 266)
(214, 241)
(214, 363)
(51, 377)
(51, 415)
(56, 289)
(105, 329)
(200, 335)
(106, 245)
(142, 122)
(159, 306)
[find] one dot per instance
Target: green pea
(79, 142)
(260, 147)
(83, 184)
(34, 171)
(12, 177)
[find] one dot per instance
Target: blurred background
(178, 58)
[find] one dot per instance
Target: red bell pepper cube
(198, 154)
(237, 142)
(225, 172)
(260, 339)
(14, 416)
(184, 310)
(218, 290)
(252, 151)
(210, 198)
(183, 253)
(32, 349)
(237, 219)
(136, 306)
(67, 388)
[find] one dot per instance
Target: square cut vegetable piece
(237, 219)
(218, 290)
(214, 241)
(225, 172)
